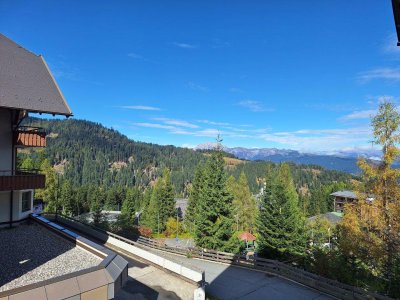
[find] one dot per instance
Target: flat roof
(26, 82)
(33, 254)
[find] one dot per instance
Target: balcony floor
(30, 253)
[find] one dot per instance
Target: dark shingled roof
(345, 194)
(26, 82)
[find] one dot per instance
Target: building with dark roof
(341, 198)
(26, 85)
(42, 260)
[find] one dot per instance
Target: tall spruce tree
(244, 205)
(194, 197)
(280, 222)
(130, 205)
(214, 219)
(167, 200)
(161, 205)
(151, 214)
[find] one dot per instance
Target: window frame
(25, 208)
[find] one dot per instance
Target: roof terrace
(33, 254)
(43, 260)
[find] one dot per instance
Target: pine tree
(280, 222)
(194, 197)
(214, 219)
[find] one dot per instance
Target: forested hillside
(89, 154)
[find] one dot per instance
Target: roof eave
(69, 113)
(40, 111)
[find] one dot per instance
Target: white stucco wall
(17, 206)
(5, 140)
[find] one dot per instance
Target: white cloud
(140, 107)
(184, 45)
(209, 132)
(179, 123)
(255, 106)
(321, 139)
(154, 125)
(213, 123)
(388, 74)
(361, 114)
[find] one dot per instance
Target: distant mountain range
(345, 161)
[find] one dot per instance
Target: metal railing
(30, 129)
(19, 172)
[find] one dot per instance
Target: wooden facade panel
(21, 182)
(30, 139)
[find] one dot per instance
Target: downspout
(11, 207)
(13, 159)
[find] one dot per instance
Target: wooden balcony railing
(21, 179)
(28, 136)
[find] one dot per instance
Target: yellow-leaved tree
(370, 229)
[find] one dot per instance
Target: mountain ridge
(345, 160)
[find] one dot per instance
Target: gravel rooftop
(30, 253)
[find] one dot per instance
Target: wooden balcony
(27, 136)
(21, 179)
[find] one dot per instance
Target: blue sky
(302, 75)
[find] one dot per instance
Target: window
(26, 201)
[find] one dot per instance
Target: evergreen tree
(97, 205)
(194, 197)
(245, 208)
(67, 198)
(280, 222)
(131, 204)
(151, 214)
(48, 194)
(214, 219)
(167, 200)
